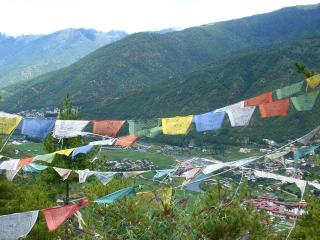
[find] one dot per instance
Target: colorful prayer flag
(273, 109)
(126, 141)
(209, 121)
(108, 128)
(289, 90)
(305, 102)
(176, 125)
(313, 81)
(110, 198)
(37, 127)
(256, 101)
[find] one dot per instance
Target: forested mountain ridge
(25, 57)
(147, 59)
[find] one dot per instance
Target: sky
(21, 17)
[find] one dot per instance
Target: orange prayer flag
(107, 127)
(24, 161)
(261, 99)
(55, 216)
(277, 108)
(126, 141)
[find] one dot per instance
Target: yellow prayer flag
(313, 81)
(65, 152)
(8, 124)
(176, 125)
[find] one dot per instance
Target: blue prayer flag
(84, 149)
(209, 121)
(301, 152)
(37, 127)
(126, 192)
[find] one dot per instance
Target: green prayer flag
(305, 102)
(289, 90)
(145, 128)
(45, 157)
(126, 192)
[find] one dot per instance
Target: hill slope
(26, 57)
(147, 59)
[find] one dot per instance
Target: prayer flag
(84, 174)
(238, 114)
(8, 122)
(17, 225)
(24, 161)
(108, 128)
(63, 172)
(301, 184)
(176, 125)
(37, 127)
(305, 102)
(126, 141)
(146, 128)
(132, 173)
(273, 109)
(33, 167)
(289, 90)
(301, 152)
(11, 164)
(306, 138)
(313, 81)
(45, 157)
(55, 216)
(164, 172)
(126, 192)
(84, 149)
(256, 101)
(104, 177)
(106, 142)
(209, 121)
(65, 152)
(69, 128)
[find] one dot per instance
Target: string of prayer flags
(108, 128)
(273, 109)
(301, 184)
(55, 216)
(209, 121)
(301, 152)
(69, 128)
(8, 122)
(238, 114)
(126, 141)
(306, 139)
(289, 90)
(39, 128)
(176, 125)
(33, 167)
(63, 172)
(65, 152)
(313, 81)
(256, 101)
(305, 102)
(83, 149)
(45, 157)
(145, 128)
(164, 172)
(17, 225)
(105, 142)
(126, 192)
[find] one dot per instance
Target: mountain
(185, 72)
(25, 57)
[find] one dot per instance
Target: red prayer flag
(24, 161)
(126, 141)
(107, 127)
(55, 216)
(277, 108)
(261, 99)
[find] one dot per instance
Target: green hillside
(147, 60)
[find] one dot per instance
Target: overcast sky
(19, 17)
